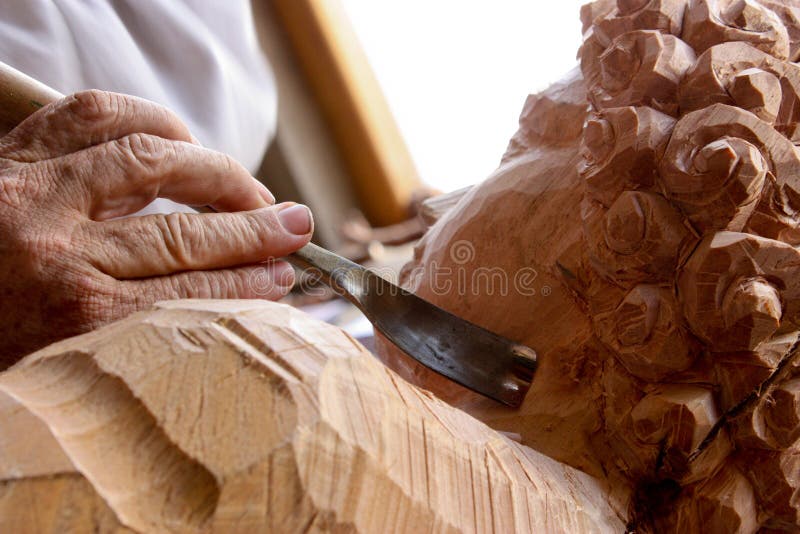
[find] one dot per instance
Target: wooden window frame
(344, 86)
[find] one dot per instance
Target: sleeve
(198, 57)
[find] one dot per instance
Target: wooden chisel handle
(20, 96)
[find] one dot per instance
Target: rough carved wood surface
(249, 416)
(40, 490)
(652, 200)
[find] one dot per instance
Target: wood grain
(249, 416)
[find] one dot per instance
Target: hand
(67, 266)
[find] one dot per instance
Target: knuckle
(229, 284)
(220, 284)
(240, 284)
(198, 284)
(263, 227)
(268, 220)
(143, 149)
(180, 236)
(94, 105)
(227, 163)
(224, 164)
(214, 284)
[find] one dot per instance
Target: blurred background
(382, 103)
(455, 73)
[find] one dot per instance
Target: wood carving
(640, 234)
(711, 22)
(249, 416)
(652, 264)
(40, 489)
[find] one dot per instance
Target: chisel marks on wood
(338, 443)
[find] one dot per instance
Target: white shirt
(200, 58)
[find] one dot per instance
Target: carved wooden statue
(639, 234)
(644, 246)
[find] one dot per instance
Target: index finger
(86, 119)
(121, 177)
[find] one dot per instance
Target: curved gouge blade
(462, 351)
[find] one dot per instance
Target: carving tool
(461, 351)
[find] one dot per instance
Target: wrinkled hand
(67, 266)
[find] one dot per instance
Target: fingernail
(283, 274)
(296, 220)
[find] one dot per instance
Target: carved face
(640, 235)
